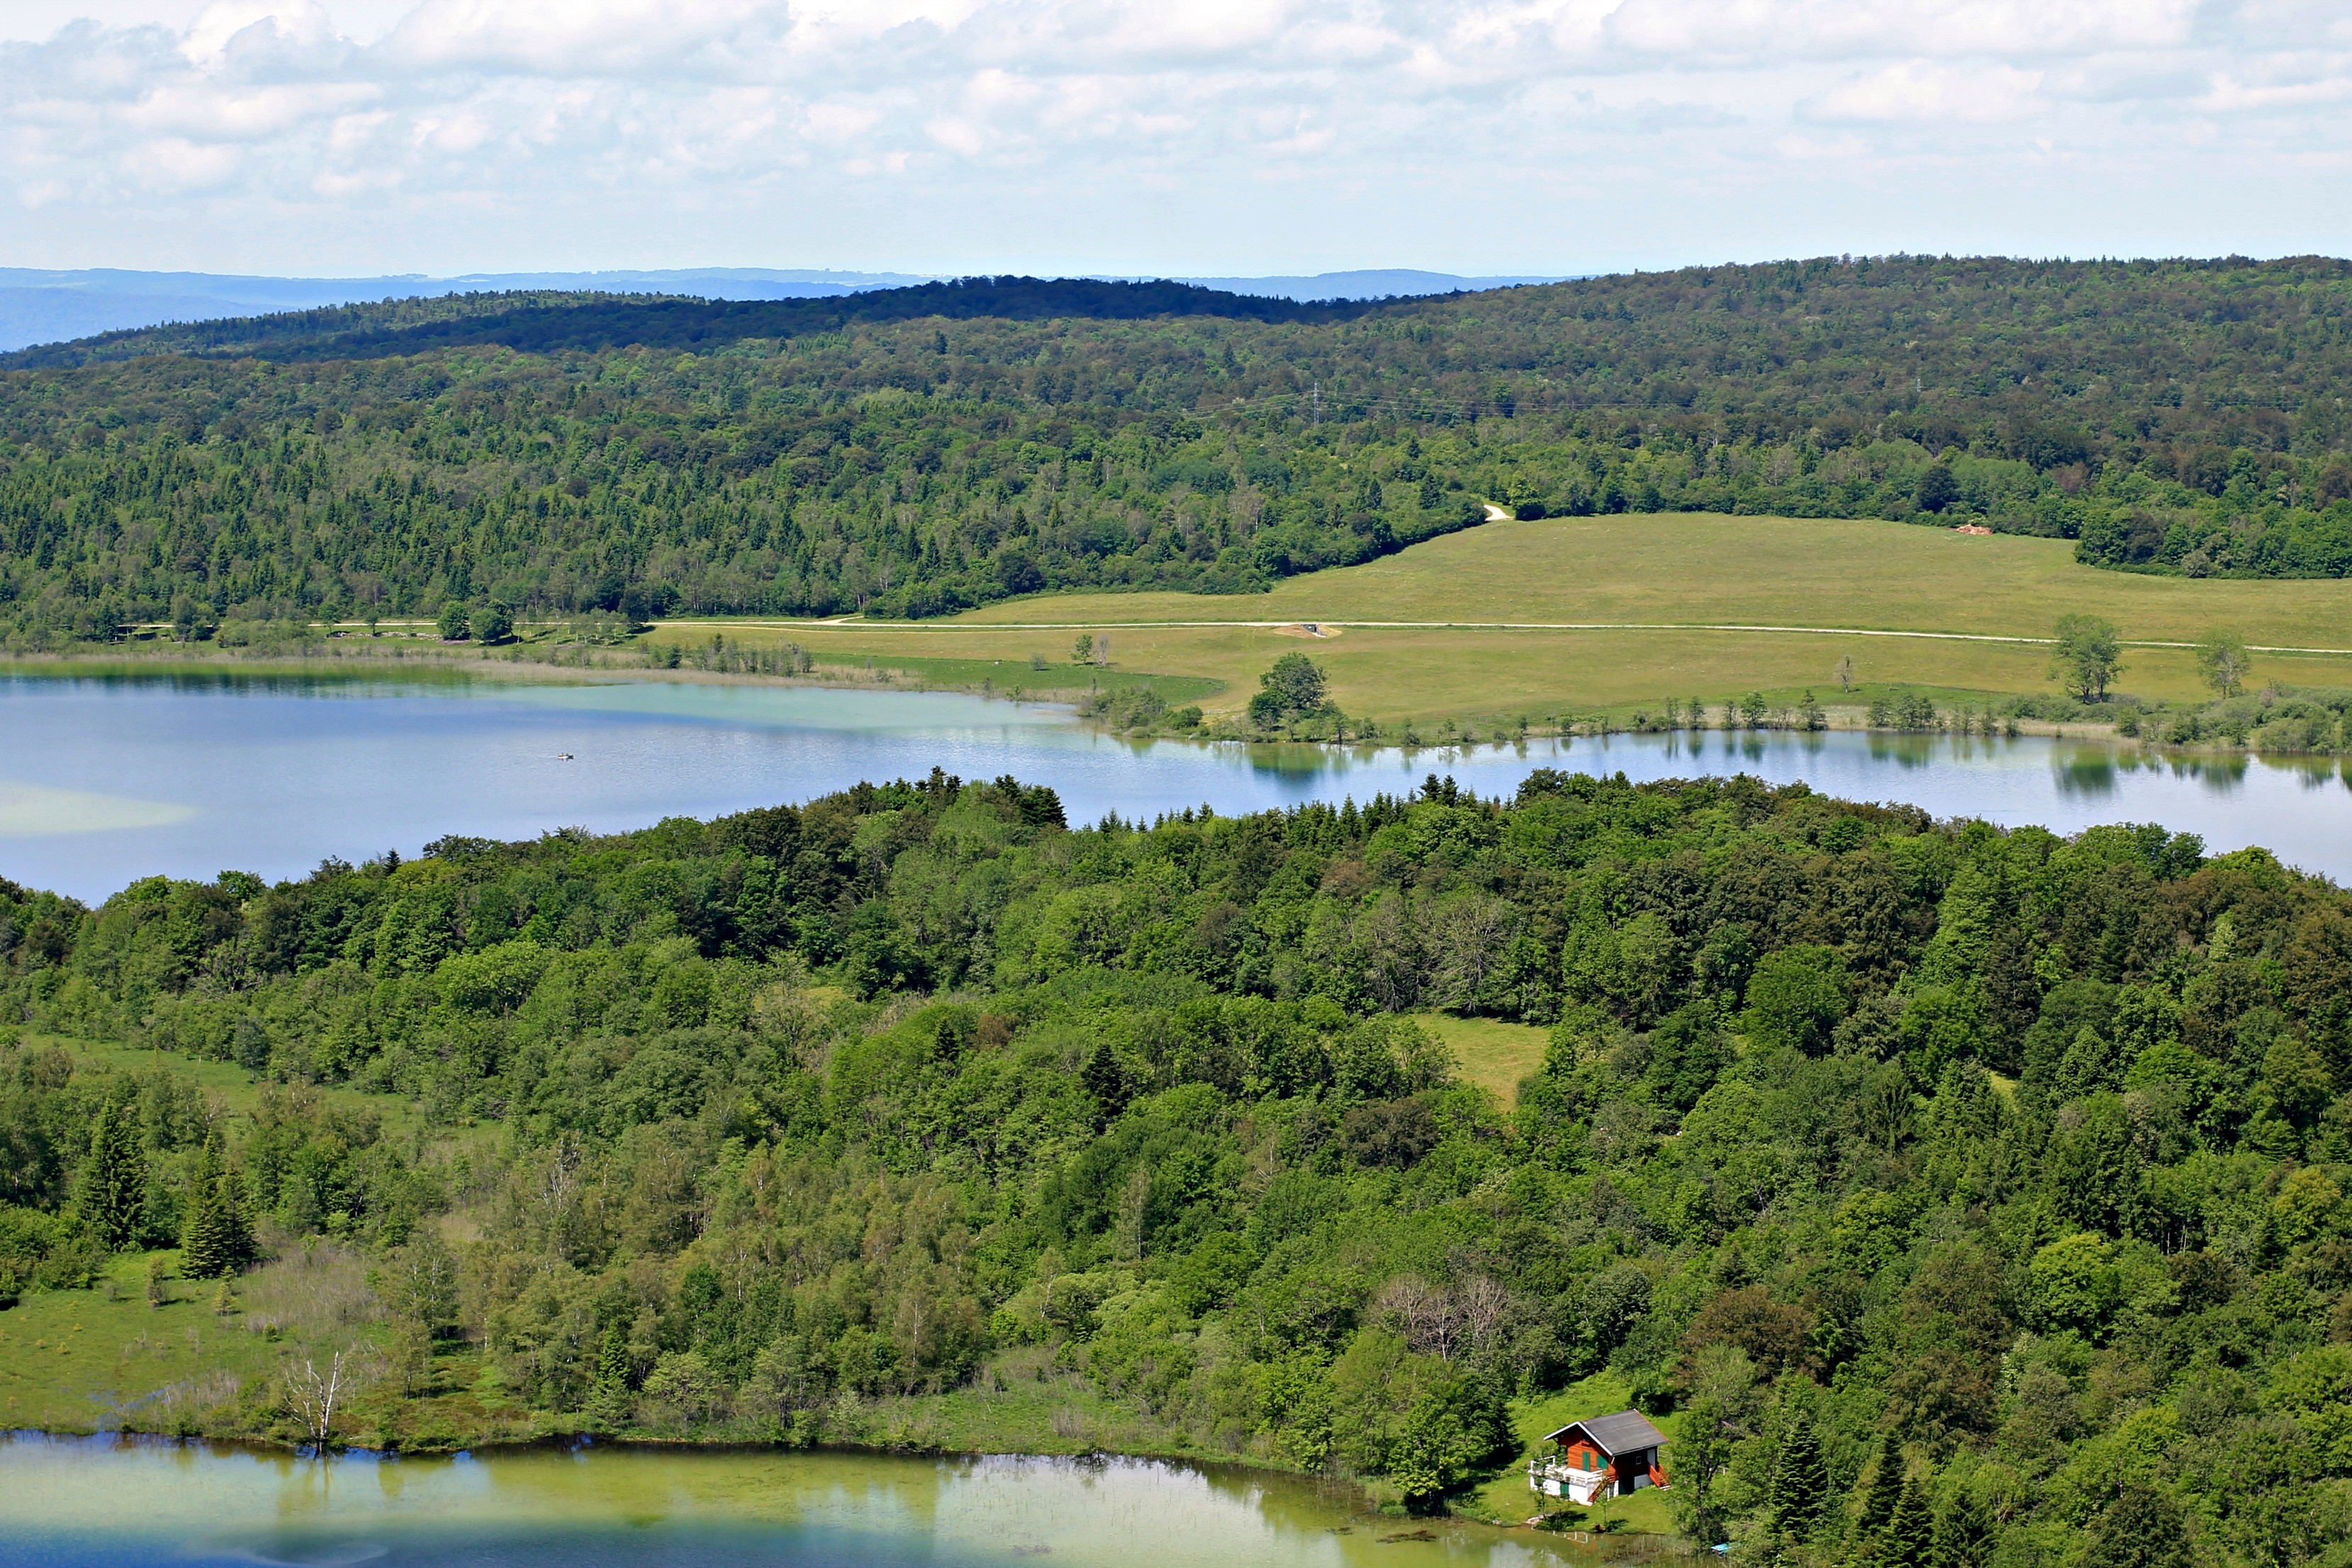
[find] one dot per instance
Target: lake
(101, 1502)
(107, 779)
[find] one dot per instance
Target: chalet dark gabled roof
(1626, 1432)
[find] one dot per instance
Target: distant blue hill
(43, 307)
(49, 307)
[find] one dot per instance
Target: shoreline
(1368, 1495)
(1351, 1494)
(457, 663)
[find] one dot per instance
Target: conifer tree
(1964, 1530)
(218, 1240)
(114, 1180)
(1105, 1080)
(1800, 1481)
(1880, 1493)
(1910, 1537)
(608, 1400)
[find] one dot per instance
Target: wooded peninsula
(1949, 1195)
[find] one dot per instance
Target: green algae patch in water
(108, 1503)
(30, 811)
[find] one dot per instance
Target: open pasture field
(1695, 568)
(1619, 610)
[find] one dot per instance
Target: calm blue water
(99, 1503)
(106, 780)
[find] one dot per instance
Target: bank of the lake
(2280, 722)
(148, 1365)
(706, 658)
(99, 1503)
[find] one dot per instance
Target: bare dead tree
(1444, 1321)
(1425, 1315)
(312, 1397)
(1480, 1304)
(560, 1181)
(1471, 935)
(1389, 940)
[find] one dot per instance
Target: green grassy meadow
(1678, 569)
(1492, 1053)
(82, 1361)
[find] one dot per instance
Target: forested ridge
(1970, 1196)
(866, 455)
(539, 323)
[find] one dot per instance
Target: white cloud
(1121, 133)
(836, 123)
(172, 164)
(228, 26)
(568, 38)
(957, 136)
(1850, 29)
(1915, 93)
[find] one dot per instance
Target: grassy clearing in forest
(78, 1360)
(1489, 1052)
(1684, 569)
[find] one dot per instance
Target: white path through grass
(1299, 622)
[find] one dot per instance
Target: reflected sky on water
(100, 1503)
(106, 780)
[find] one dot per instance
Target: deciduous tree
(2088, 655)
(2223, 661)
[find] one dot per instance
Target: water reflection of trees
(2092, 771)
(321, 682)
(1908, 752)
(1302, 764)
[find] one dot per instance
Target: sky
(345, 137)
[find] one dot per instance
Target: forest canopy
(563, 453)
(1997, 1171)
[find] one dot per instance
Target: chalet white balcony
(1553, 1479)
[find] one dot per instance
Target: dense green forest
(1974, 1196)
(820, 456)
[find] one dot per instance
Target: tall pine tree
(1964, 1530)
(1800, 1481)
(608, 1398)
(1880, 1493)
(114, 1179)
(1910, 1537)
(218, 1240)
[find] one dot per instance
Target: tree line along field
(1961, 1198)
(939, 449)
(1693, 570)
